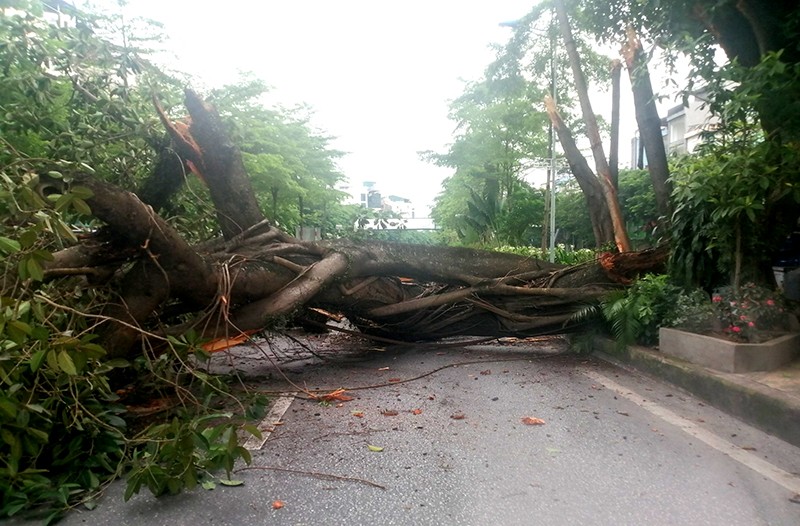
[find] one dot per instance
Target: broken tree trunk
(593, 132)
(591, 187)
(261, 278)
(649, 122)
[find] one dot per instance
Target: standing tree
(592, 131)
(649, 121)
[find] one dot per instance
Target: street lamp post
(552, 252)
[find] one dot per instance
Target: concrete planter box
(727, 356)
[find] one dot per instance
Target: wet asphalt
(449, 436)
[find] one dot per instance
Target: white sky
(378, 74)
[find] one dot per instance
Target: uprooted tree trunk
(256, 277)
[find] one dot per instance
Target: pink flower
(751, 324)
(770, 302)
(742, 317)
(716, 299)
(736, 329)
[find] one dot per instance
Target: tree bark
(649, 123)
(209, 152)
(593, 132)
(590, 186)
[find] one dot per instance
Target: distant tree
(499, 133)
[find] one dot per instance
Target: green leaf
(376, 449)
(81, 207)
(229, 482)
(66, 364)
(81, 192)
(35, 271)
(208, 485)
(9, 246)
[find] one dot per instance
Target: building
(682, 129)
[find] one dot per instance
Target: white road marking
(759, 465)
(267, 425)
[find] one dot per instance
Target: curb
(768, 409)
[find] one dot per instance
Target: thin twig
(311, 392)
(324, 476)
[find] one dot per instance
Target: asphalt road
(614, 448)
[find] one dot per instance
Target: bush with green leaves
(737, 196)
(563, 254)
(635, 314)
(749, 313)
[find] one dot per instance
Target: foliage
(749, 313)
(291, 165)
(636, 313)
(638, 201)
(74, 98)
(563, 254)
(573, 225)
(723, 230)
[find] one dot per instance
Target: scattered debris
(532, 421)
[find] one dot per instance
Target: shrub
(749, 314)
(636, 313)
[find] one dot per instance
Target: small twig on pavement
(325, 476)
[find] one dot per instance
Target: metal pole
(552, 251)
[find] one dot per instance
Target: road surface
(450, 436)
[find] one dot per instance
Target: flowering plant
(749, 314)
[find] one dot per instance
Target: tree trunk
(593, 132)
(209, 152)
(613, 154)
(262, 278)
(649, 123)
(590, 186)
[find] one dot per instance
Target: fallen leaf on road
(376, 449)
(416, 411)
(389, 412)
(227, 482)
(277, 504)
(458, 416)
(334, 396)
(532, 421)
(358, 414)
(383, 368)
(749, 448)
(486, 372)
(623, 413)
(395, 380)
(795, 498)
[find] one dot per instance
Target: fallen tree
(255, 276)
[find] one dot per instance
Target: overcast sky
(378, 74)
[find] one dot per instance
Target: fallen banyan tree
(257, 277)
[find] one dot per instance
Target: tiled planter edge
(727, 356)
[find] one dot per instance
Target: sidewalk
(769, 401)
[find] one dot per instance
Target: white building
(681, 129)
